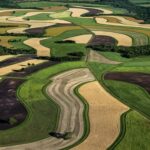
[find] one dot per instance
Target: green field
(39, 106)
(43, 112)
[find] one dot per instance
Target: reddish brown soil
(141, 79)
(17, 59)
(9, 103)
(102, 40)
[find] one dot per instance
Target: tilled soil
(141, 79)
(17, 59)
(10, 107)
(102, 40)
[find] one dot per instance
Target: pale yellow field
(82, 39)
(18, 66)
(3, 57)
(35, 43)
(104, 115)
(77, 12)
(123, 40)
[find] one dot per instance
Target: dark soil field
(102, 40)
(17, 59)
(92, 12)
(140, 79)
(12, 112)
(36, 31)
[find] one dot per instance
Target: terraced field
(74, 76)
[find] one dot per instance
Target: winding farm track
(41, 50)
(61, 90)
(104, 114)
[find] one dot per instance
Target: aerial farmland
(75, 75)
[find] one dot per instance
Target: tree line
(128, 52)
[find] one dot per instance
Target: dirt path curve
(96, 57)
(35, 43)
(104, 113)
(71, 117)
(123, 40)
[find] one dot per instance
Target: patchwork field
(74, 75)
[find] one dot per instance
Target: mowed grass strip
(43, 112)
(137, 133)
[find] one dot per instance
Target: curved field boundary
(5, 57)
(81, 39)
(31, 23)
(104, 110)
(16, 59)
(104, 11)
(77, 12)
(123, 40)
(35, 43)
(75, 112)
(8, 69)
(139, 36)
(124, 22)
(122, 131)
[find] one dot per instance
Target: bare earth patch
(123, 40)
(104, 113)
(82, 39)
(35, 43)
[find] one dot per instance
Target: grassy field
(39, 4)
(141, 64)
(40, 17)
(55, 31)
(134, 125)
(61, 50)
(114, 56)
(64, 14)
(39, 106)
